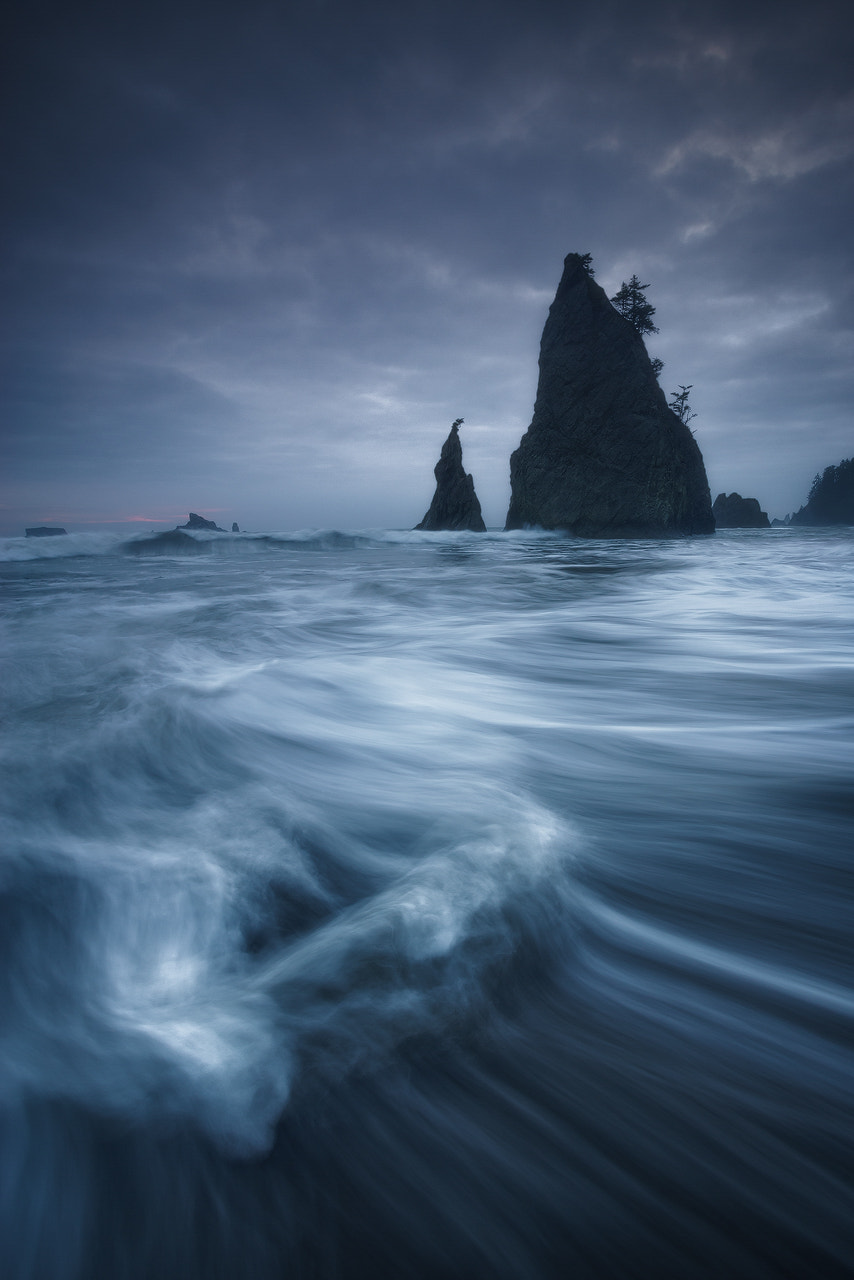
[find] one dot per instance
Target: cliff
(604, 456)
(455, 504)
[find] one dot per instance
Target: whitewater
(386, 904)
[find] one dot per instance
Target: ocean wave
(179, 541)
(413, 904)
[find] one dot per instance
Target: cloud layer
(258, 259)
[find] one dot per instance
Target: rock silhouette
(455, 504)
(604, 456)
(199, 522)
(734, 512)
(831, 498)
(46, 531)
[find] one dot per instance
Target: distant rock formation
(604, 456)
(235, 527)
(455, 504)
(781, 524)
(831, 498)
(45, 531)
(734, 512)
(199, 522)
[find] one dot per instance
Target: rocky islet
(604, 456)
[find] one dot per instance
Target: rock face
(604, 457)
(199, 522)
(235, 527)
(455, 504)
(734, 512)
(45, 531)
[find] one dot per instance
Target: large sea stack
(455, 504)
(604, 457)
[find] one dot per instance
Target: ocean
(386, 904)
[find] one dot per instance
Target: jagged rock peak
(199, 522)
(455, 504)
(604, 456)
(731, 511)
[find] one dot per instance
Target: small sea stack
(199, 522)
(455, 504)
(731, 511)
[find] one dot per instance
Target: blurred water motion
(427, 906)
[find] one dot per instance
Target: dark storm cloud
(284, 246)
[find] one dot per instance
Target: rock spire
(604, 456)
(455, 504)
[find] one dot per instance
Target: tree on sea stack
(630, 301)
(679, 404)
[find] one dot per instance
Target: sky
(259, 256)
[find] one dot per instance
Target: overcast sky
(258, 256)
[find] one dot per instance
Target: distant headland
(831, 498)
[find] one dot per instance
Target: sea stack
(731, 511)
(604, 457)
(455, 504)
(199, 522)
